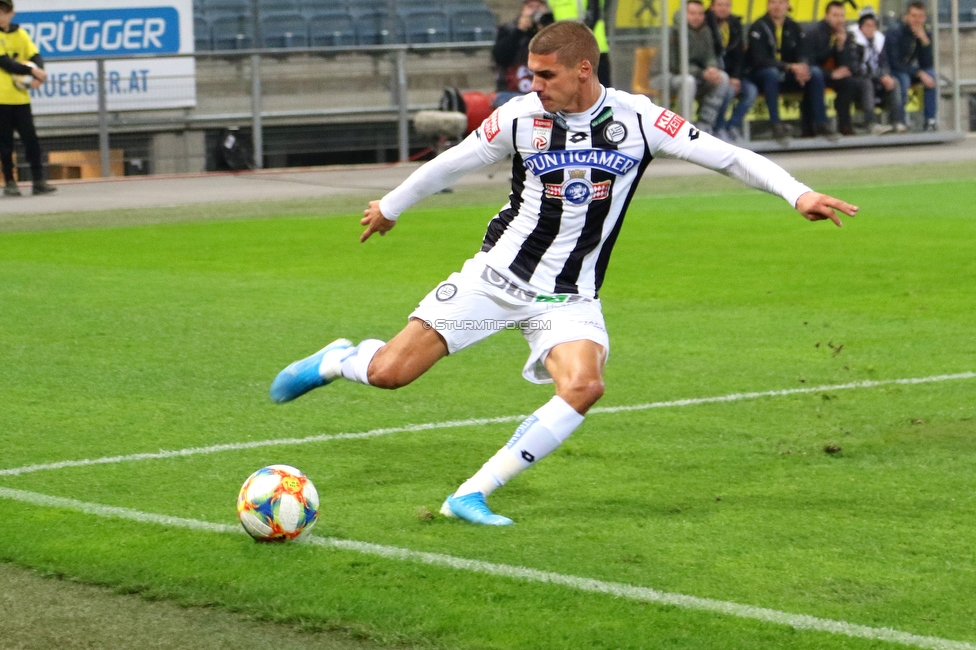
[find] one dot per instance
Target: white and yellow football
(23, 81)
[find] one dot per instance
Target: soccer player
(579, 150)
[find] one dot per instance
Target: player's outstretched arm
(815, 206)
(374, 221)
(672, 136)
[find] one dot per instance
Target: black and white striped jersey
(573, 176)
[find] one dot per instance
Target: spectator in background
(705, 81)
(730, 51)
(16, 50)
(591, 12)
(909, 47)
(511, 50)
(780, 62)
(873, 75)
(833, 52)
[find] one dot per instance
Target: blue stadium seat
(331, 28)
(277, 6)
(426, 25)
(231, 32)
(311, 7)
(362, 7)
(379, 28)
(284, 29)
(227, 6)
(202, 38)
(474, 24)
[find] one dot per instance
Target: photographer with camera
(511, 50)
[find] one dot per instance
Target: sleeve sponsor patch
(670, 122)
(491, 127)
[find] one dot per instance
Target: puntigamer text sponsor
(605, 159)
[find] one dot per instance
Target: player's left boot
(304, 375)
(44, 187)
(472, 507)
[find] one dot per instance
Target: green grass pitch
(121, 340)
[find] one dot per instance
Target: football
(277, 503)
(23, 81)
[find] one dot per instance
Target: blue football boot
(472, 507)
(302, 376)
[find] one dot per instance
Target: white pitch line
(452, 424)
(618, 589)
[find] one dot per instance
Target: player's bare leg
(577, 369)
(406, 357)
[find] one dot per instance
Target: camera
(543, 18)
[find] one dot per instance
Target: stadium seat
(473, 24)
(284, 29)
(331, 28)
(426, 26)
(202, 38)
(360, 7)
(231, 32)
(228, 6)
(311, 7)
(277, 6)
(379, 28)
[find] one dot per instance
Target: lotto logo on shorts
(670, 122)
(491, 127)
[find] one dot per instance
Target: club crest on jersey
(608, 160)
(578, 190)
(541, 134)
(615, 132)
(670, 123)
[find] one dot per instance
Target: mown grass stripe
(452, 424)
(620, 590)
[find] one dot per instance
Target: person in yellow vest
(22, 68)
(591, 12)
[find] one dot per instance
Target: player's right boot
(472, 507)
(304, 375)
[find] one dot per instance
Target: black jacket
(827, 55)
(511, 51)
(906, 54)
(731, 57)
(15, 67)
(762, 44)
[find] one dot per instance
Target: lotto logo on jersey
(541, 134)
(491, 127)
(670, 123)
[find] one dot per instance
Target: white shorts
(479, 301)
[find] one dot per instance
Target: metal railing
(107, 88)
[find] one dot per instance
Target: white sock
(538, 436)
(352, 364)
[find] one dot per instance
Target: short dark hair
(915, 4)
(696, 2)
(832, 4)
(865, 18)
(7, 4)
(570, 40)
